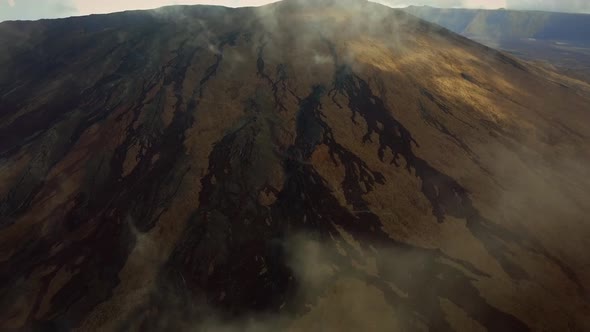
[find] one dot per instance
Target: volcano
(301, 166)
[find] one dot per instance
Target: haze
(37, 9)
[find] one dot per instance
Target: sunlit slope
(295, 166)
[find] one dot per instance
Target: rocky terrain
(302, 166)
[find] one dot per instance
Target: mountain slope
(310, 165)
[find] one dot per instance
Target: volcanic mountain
(302, 166)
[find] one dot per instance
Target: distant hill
(508, 24)
(555, 39)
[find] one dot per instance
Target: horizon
(31, 10)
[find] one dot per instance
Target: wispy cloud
(36, 9)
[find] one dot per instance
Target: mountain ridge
(508, 24)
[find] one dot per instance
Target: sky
(36, 9)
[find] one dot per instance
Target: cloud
(575, 6)
(330, 294)
(488, 4)
(36, 9)
(106, 6)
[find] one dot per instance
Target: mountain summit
(288, 167)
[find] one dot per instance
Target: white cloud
(488, 4)
(582, 6)
(105, 6)
(35, 9)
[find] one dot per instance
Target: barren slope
(311, 167)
